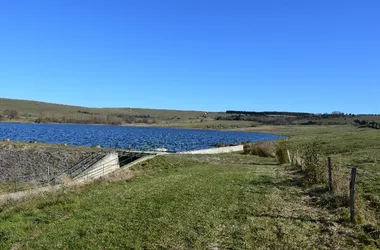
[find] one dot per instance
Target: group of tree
(86, 118)
(269, 120)
(9, 114)
(334, 114)
(369, 124)
(96, 119)
(270, 113)
(130, 119)
(288, 118)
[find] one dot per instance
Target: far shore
(156, 125)
(283, 130)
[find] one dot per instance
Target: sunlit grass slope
(229, 201)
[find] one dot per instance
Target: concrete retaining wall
(215, 150)
(103, 167)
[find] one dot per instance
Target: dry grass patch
(261, 148)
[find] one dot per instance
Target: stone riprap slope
(30, 162)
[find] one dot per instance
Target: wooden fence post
(330, 173)
(352, 194)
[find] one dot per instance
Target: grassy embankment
(215, 202)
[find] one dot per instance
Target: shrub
(247, 147)
(262, 148)
(282, 152)
(340, 183)
(11, 114)
(314, 163)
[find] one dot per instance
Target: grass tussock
(278, 150)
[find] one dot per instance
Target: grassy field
(227, 202)
(349, 147)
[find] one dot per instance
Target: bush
(282, 152)
(11, 114)
(247, 147)
(262, 148)
(314, 162)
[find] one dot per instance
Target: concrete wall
(215, 150)
(103, 167)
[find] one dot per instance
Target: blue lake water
(141, 138)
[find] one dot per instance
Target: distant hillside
(34, 111)
(42, 112)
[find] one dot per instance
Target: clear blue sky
(214, 55)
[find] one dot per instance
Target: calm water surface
(142, 138)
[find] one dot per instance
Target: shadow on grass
(295, 178)
(319, 195)
(259, 164)
(296, 218)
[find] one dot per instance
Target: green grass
(236, 202)
(349, 147)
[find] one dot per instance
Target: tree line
(82, 117)
(269, 113)
(110, 119)
(334, 114)
(9, 114)
(368, 124)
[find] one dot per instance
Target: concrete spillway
(101, 164)
(104, 166)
